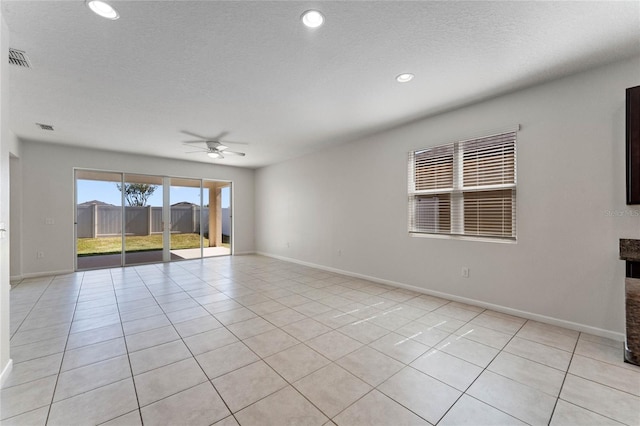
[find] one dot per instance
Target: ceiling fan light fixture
(103, 9)
(213, 154)
(312, 18)
(404, 78)
(221, 147)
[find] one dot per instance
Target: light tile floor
(256, 341)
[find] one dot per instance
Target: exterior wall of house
(345, 208)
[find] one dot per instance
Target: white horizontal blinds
(489, 161)
(434, 168)
(465, 188)
(489, 213)
(431, 214)
(488, 185)
(431, 183)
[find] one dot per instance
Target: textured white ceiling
(253, 70)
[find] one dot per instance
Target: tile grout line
(189, 349)
(479, 374)
(103, 360)
(260, 359)
(625, 366)
(590, 410)
(210, 381)
(232, 414)
(65, 350)
(334, 362)
(405, 365)
(266, 363)
(222, 325)
(72, 369)
(564, 379)
(409, 366)
(600, 384)
(33, 306)
(253, 285)
(249, 308)
(126, 348)
(256, 290)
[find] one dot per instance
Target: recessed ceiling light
(404, 78)
(103, 9)
(312, 18)
(213, 154)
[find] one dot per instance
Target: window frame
(497, 202)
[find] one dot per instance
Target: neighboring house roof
(100, 203)
(183, 204)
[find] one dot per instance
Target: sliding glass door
(131, 219)
(144, 239)
(185, 196)
(98, 219)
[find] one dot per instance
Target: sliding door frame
(166, 214)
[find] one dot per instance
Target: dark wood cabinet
(633, 145)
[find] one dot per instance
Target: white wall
(8, 145)
(4, 200)
(47, 185)
(16, 218)
(571, 170)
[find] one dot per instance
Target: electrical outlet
(40, 255)
(48, 221)
(339, 252)
(465, 272)
(288, 245)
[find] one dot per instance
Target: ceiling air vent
(19, 58)
(44, 126)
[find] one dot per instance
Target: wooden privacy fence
(105, 221)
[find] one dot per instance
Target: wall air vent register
(18, 58)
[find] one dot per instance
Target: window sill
(464, 238)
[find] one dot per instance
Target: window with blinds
(465, 188)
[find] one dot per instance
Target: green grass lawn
(110, 245)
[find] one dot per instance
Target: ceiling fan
(215, 147)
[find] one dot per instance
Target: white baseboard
(243, 253)
(47, 274)
(498, 308)
(16, 278)
(6, 371)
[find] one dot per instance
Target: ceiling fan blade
(220, 136)
(212, 145)
(195, 135)
(233, 143)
